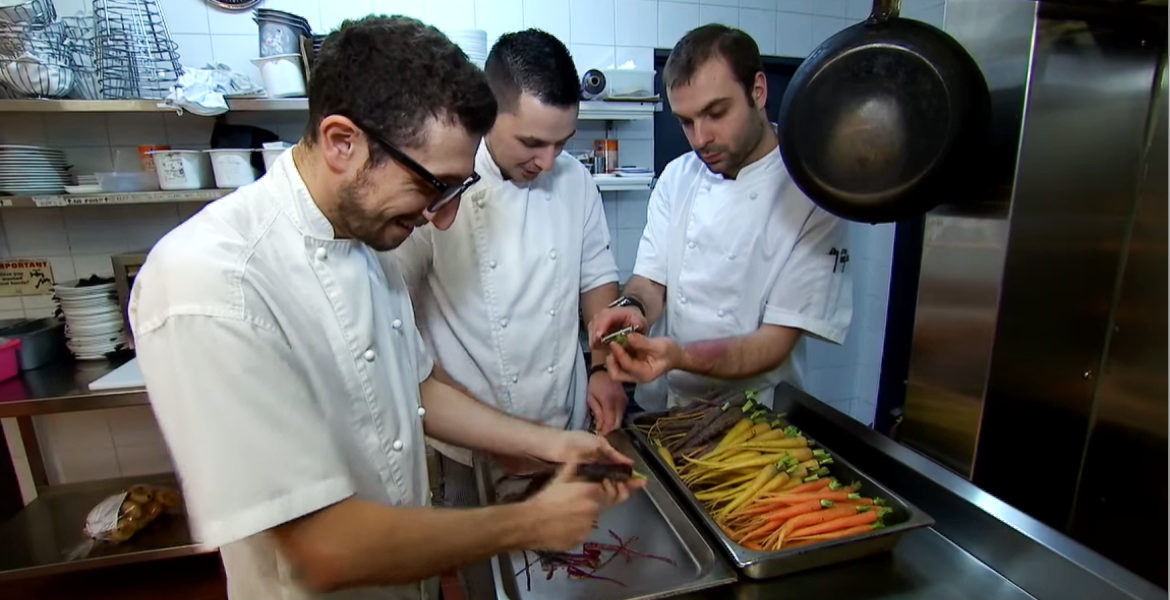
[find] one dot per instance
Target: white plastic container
(283, 75)
(628, 83)
(183, 169)
(272, 151)
(233, 167)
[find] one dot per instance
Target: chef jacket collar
(298, 202)
(765, 166)
(487, 168)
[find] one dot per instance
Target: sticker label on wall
(25, 277)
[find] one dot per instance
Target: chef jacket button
(690, 244)
(721, 313)
(479, 201)
(550, 369)
(503, 322)
(552, 254)
(731, 256)
(754, 195)
(396, 323)
(322, 254)
(682, 300)
(422, 412)
(552, 312)
(369, 355)
(515, 378)
(397, 445)
(492, 264)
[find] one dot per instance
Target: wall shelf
(592, 110)
(604, 183)
(609, 183)
(58, 200)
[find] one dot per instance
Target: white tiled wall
(599, 33)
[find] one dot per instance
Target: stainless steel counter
(64, 387)
(979, 549)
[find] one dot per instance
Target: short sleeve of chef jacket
(814, 290)
(234, 401)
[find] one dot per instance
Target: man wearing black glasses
(283, 363)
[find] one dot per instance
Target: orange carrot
(840, 533)
(790, 498)
(774, 520)
(866, 518)
(808, 519)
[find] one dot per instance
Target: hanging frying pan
(885, 119)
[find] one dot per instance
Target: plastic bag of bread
(120, 516)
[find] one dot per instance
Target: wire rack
(134, 54)
(32, 12)
(34, 60)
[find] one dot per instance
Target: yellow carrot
(742, 426)
(761, 480)
(758, 461)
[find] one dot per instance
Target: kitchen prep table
(978, 549)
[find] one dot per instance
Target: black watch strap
(595, 369)
(629, 301)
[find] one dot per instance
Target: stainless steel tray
(762, 565)
(662, 528)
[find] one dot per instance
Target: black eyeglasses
(447, 192)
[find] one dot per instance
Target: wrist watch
(595, 369)
(629, 301)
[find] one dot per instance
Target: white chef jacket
(497, 294)
(735, 254)
(283, 367)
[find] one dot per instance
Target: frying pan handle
(883, 11)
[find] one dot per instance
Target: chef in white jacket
(736, 265)
(284, 366)
(499, 294)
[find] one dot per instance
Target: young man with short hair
(736, 264)
(499, 293)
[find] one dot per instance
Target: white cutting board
(125, 376)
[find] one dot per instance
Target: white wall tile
(610, 201)
(587, 57)
(134, 426)
(237, 52)
(858, 9)
(83, 464)
(112, 229)
(187, 210)
(90, 160)
(143, 459)
(35, 232)
(93, 264)
(499, 17)
(793, 34)
(77, 129)
(75, 431)
(636, 23)
(188, 131)
(758, 4)
(631, 212)
(11, 304)
(761, 25)
(825, 27)
(194, 50)
(12, 437)
(447, 14)
(927, 13)
(643, 58)
(409, 8)
(831, 8)
(862, 411)
(675, 19)
(592, 21)
(72, 8)
(186, 16)
(549, 15)
(807, 7)
(720, 2)
(63, 269)
(28, 129)
(722, 15)
(635, 130)
(233, 22)
(628, 240)
(12, 314)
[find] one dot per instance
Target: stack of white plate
(93, 319)
(32, 170)
(473, 42)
